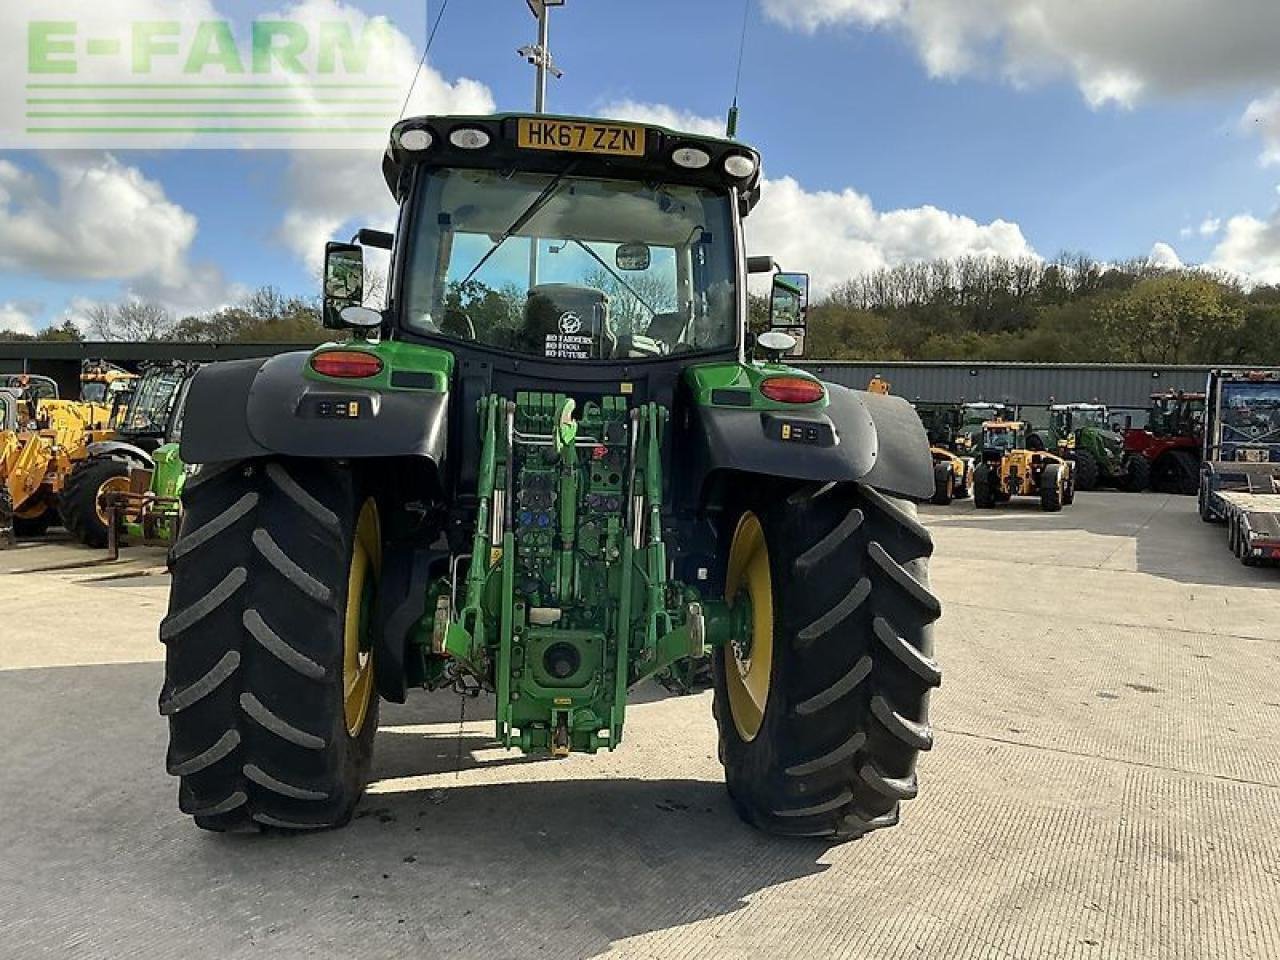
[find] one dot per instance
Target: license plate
(1254, 456)
(568, 136)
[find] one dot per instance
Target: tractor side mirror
(789, 308)
(789, 301)
(343, 281)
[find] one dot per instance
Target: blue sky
(855, 102)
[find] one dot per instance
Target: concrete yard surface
(1105, 783)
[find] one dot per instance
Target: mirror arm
(380, 239)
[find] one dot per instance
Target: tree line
(1070, 309)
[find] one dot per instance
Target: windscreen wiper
(529, 212)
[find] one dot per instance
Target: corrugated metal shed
(1117, 385)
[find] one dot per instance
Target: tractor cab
(1176, 414)
(999, 437)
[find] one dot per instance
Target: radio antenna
(731, 128)
(425, 50)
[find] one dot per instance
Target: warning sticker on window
(567, 346)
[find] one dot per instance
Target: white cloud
(18, 317)
(91, 217)
(100, 220)
(834, 236)
(1250, 249)
(329, 190)
(1210, 226)
(664, 116)
(1115, 52)
(1164, 257)
(1262, 118)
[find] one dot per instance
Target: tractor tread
(208, 472)
(252, 706)
(855, 826)
(189, 616)
(895, 788)
(281, 824)
(234, 800)
(274, 644)
(193, 539)
(278, 786)
(825, 547)
(913, 734)
(817, 809)
(860, 671)
(900, 515)
(838, 613)
(181, 699)
(899, 574)
(223, 748)
(294, 491)
(926, 668)
(848, 704)
(281, 754)
(840, 754)
(288, 568)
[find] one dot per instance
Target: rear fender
(255, 408)
(877, 439)
(118, 448)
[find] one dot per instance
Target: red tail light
(792, 389)
(347, 364)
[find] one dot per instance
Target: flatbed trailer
(1240, 470)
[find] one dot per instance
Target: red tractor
(1170, 442)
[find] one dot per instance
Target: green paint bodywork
(567, 602)
(167, 480)
(705, 378)
(396, 357)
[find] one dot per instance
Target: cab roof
(510, 147)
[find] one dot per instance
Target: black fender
(110, 448)
(240, 409)
(860, 436)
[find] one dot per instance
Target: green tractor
(554, 466)
(1083, 432)
(126, 462)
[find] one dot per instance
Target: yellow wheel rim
(748, 659)
(112, 485)
(362, 580)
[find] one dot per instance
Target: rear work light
(346, 364)
(792, 390)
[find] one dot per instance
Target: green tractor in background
(126, 463)
(553, 466)
(1083, 433)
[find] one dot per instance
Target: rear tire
(984, 494)
(36, 526)
(1185, 473)
(254, 667)
(80, 503)
(944, 480)
(1051, 488)
(851, 667)
(1086, 471)
(1137, 474)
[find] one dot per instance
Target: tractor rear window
(571, 268)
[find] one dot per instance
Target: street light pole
(540, 57)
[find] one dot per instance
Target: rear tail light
(346, 364)
(792, 389)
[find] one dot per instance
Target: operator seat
(564, 321)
